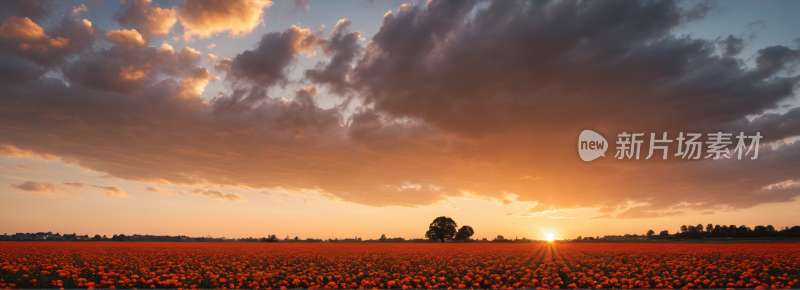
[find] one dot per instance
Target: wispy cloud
(37, 187)
(112, 191)
(218, 195)
(74, 184)
(154, 189)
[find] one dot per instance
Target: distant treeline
(708, 231)
(733, 231)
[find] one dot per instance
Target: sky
(323, 119)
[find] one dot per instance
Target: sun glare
(551, 237)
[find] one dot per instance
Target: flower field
(118, 265)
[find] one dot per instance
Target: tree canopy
(464, 233)
(442, 228)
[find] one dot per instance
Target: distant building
(43, 236)
(24, 237)
(82, 238)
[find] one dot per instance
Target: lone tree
(650, 233)
(464, 233)
(442, 228)
(383, 237)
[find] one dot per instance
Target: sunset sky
(337, 119)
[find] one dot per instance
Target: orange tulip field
(129, 265)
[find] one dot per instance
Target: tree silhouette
(760, 230)
(650, 233)
(664, 233)
(464, 233)
(794, 231)
(441, 228)
(383, 237)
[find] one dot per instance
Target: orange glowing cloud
(22, 29)
(147, 19)
(203, 18)
(30, 35)
(129, 38)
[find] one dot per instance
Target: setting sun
(550, 237)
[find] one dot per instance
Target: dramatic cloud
(29, 35)
(148, 19)
(22, 29)
(128, 67)
(218, 195)
(448, 100)
(155, 189)
(33, 186)
(267, 64)
(203, 18)
(732, 45)
(24, 38)
(342, 48)
(112, 191)
(130, 38)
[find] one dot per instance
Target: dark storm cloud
(517, 63)
(342, 48)
(267, 64)
(33, 9)
(732, 45)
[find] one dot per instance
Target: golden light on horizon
(550, 237)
